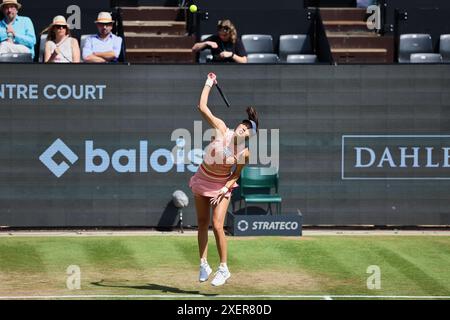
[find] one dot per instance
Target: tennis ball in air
(193, 8)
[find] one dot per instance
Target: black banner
(266, 225)
(86, 145)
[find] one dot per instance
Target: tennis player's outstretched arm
(215, 122)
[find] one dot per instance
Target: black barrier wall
(334, 123)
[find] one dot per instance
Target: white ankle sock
(203, 261)
(224, 265)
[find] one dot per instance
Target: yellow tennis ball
(193, 8)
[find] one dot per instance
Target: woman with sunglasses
(225, 45)
(60, 47)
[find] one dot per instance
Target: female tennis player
(216, 177)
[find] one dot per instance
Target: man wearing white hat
(16, 32)
(104, 46)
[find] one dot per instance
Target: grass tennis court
(168, 265)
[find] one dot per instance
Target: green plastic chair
(258, 177)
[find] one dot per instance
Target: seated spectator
(225, 45)
(104, 46)
(16, 32)
(60, 46)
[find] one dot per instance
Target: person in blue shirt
(16, 32)
(103, 47)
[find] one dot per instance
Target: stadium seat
(294, 44)
(413, 43)
(444, 47)
(205, 55)
(426, 58)
(260, 178)
(82, 42)
(205, 36)
(42, 47)
(257, 43)
(83, 39)
(301, 58)
(16, 57)
(262, 58)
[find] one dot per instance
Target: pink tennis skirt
(204, 184)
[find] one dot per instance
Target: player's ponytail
(253, 115)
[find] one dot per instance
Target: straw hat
(14, 2)
(60, 21)
(104, 17)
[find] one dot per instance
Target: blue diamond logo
(47, 157)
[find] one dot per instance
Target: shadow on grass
(153, 287)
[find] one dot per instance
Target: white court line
(326, 297)
(188, 233)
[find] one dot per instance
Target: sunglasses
(224, 29)
(60, 27)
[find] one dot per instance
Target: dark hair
(252, 115)
(50, 30)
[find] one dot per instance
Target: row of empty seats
(293, 48)
(418, 48)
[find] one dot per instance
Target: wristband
(232, 55)
(224, 190)
(209, 82)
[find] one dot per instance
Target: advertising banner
(84, 145)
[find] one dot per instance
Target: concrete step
(155, 27)
(153, 13)
(351, 14)
(158, 55)
(148, 40)
(345, 26)
(357, 43)
(353, 33)
(360, 55)
(363, 41)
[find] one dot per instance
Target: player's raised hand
(211, 80)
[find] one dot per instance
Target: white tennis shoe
(205, 271)
(221, 276)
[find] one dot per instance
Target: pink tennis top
(220, 156)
